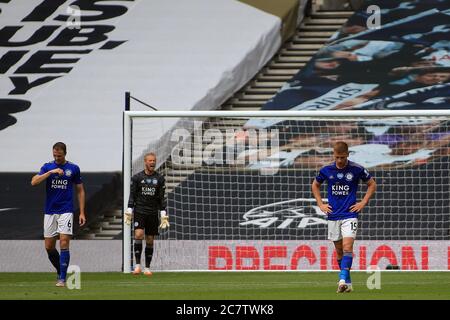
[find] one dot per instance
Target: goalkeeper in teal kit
(146, 205)
(342, 208)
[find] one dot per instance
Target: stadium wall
(22, 206)
(106, 255)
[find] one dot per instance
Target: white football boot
(342, 286)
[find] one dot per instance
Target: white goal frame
(332, 114)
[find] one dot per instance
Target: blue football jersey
(59, 198)
(342, 188)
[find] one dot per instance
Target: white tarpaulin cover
(64, 71)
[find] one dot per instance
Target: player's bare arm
(37, 179)
(81, 202)
(371, 187)
(316, 192)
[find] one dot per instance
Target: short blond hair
(149, 154)
(340, 147)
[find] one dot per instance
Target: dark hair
(60, 146)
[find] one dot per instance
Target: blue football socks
(64, 263)
(346, 265)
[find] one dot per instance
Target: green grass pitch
(227, 286)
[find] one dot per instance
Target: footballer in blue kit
(60, 176)
(342, 177)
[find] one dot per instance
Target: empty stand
(311, 35)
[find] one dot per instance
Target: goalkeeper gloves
(128, 216)
(164, 220)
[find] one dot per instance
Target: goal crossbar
(288, 113)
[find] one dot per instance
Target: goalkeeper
(146, 206)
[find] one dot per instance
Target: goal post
(238, 187)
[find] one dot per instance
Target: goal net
(238, 187)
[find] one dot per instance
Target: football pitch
(227, 286)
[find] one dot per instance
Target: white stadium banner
(65, 65)
(313, 255)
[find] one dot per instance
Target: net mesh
(247, 182)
